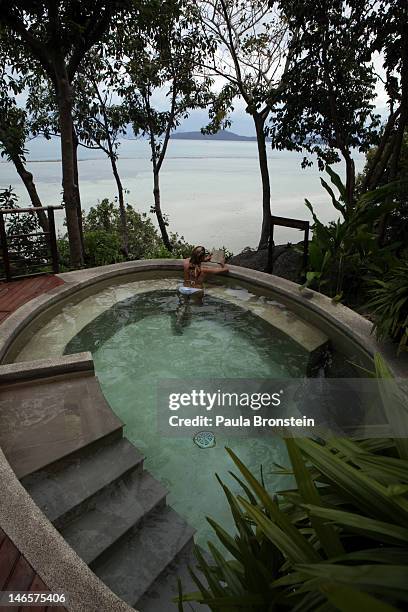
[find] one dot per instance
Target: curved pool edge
(314, 307)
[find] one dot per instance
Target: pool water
(148, 337)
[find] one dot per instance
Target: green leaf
(272, 508)
(368, 495)
(340, 207)
(379, 578)
(345, 599)
(328, 537)
(225, 538)
(380, 530)
(229, 575)
(280, 538)
(336, 180)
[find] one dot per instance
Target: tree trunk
(157, 208)
(266, 188)
(397, 140)
(350, 180)
(29, 184)
(77, 192)
(64, 94)
(122, 207)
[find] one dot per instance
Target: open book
(217, 258)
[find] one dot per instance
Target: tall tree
(389, 19)
(327, 107)
(163, 61)
(14, 132)
(251, 51)
(99, 121)
(53, 37)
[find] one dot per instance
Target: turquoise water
(138, 341)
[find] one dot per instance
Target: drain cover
(204, 439)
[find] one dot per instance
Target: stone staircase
(113, 513)
(110, 510)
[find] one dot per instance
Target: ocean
(210, 190)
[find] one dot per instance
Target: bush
(342, 253)
(337, 541)
(389, 305)
(102, 247)
(142, 233)
(103, 243)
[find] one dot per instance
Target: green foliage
(102, 247)
(396, 223)
(143, 236)
(339, 537)
(342, 252)
(23, 249)
(102, 237)
(327, 102)
(389, 305)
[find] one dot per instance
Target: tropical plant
(342, 251)
(389, 305)
(394, 227)
(337, 541)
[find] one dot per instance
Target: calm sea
(211, 191)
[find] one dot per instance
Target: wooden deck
(18, 292)
(16, 574)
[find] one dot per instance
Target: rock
(287, 261)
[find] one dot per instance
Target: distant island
(221, 135)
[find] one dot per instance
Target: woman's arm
(215, 270)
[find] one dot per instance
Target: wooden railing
(295, 224)
(50, 237)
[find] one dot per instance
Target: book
(218, 257)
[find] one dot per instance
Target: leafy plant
(389, 305)
(337, 541)
(103, 237)
(341, 252)
(142, 235)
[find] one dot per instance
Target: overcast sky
(242, 123)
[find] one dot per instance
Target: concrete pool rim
(315, 308)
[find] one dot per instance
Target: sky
(242, 123)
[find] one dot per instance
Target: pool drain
(204, 439)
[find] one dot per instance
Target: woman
(195, 272)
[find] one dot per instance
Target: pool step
(67, 447)
(161, 593)
(52, 411)
(64, 493)
(113, 513)
(118, 510)
(138, 561)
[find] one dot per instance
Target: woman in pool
(195, 272)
